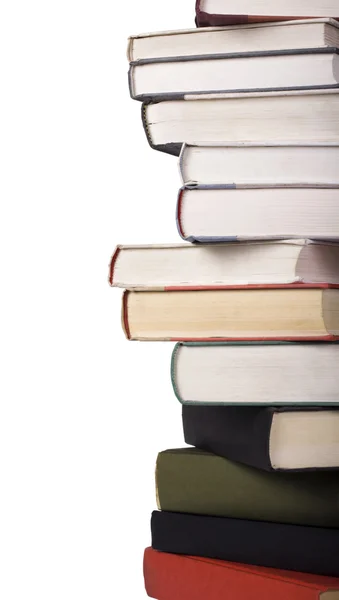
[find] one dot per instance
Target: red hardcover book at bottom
(174, 577)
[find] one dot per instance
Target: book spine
(179, 214)
(112, 265)
(130, 56)
(182, 157)
(124, 315)
(131, 83)
(174, 359)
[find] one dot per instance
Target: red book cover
(174, 577)
(204, 19)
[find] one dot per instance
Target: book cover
(171, 576)
(294, 548)
(194, 481)
(204, 19)
(243, 434)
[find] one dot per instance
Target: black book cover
(291, 547)
(239, 433)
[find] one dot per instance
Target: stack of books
(250, 103)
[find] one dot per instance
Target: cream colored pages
(298, 440)
(225, 313)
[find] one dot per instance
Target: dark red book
(214, 13)
(173, 577)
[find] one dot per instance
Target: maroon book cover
(204, 19)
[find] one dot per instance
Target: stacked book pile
(250, 508)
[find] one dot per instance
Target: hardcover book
(269, 438)
(295, 548)
(187, 266)
(194, 481)
(170, 576)
(263, 165)
(232, 212)
(286, 312)
(174, 77)
(225, 12)
(256, 373)
(250, 117)
(291, 35)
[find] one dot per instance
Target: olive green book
(197, 482)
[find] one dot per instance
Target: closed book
(290, 35)
(225, 12)
(269, 438)
(185, 266)
(152, 80)
(207, 213)
(272, 312)
(170, 576)
(244, 117)
(194, 481)
(257, 373)
(274, 545)
(259, 164)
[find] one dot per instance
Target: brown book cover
(204, 19)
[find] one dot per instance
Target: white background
(83, 412)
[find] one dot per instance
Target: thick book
(171, 576)
(152, 80)
(268, 438)
(257, 373)
(263, 165)
(186, 266)
(289, 547)
(291, 35)
(194, 481)
(226, 12)
(272, 312)
(249, 117)
(232, 212)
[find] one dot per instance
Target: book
(251, 117)
(232, 212)
(174, 77)
(169, 576)
(214, 265)
(289, 547)
(256, 373)
(220, 12)
(268, 438)
(291, 312)
(253, 164)
(194, 481)
(291, 35)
